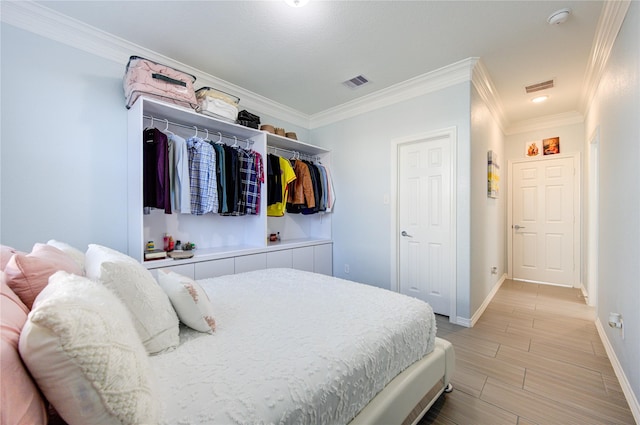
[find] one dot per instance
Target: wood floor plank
(534, 358)
(568, 392)
(532, 406)
(461, 408)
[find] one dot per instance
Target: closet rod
(276, 149)
(198, 129)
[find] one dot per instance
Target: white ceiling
(300, 57)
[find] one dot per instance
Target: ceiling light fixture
(559, 17)
(296, 3)
(540, 99)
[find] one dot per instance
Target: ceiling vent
(356, 82)
(539, 86)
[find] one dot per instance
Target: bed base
(409, 395)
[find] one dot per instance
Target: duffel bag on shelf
(248, 119)
(145, 77)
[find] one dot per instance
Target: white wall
(362, 171)
(615, 110)
(63, 144)
(488, 215)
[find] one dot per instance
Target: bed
(299, 347)
(106, 343)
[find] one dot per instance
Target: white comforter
(291, 347)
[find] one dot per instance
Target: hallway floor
(534, 357)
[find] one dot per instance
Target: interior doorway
(544, 220)
(423, 222)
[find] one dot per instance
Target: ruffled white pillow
(75, 253)
(83, 351)
(189, 300)
(153, 316)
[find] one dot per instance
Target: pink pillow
(28, 274)
(6, 252)
(21, 399)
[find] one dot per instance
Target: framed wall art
(532, 149)
(551, 146)
(493, 174)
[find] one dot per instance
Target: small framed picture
(551, 146)
(532, 149)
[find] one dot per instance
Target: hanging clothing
(220, 177)
(232, 180)
(260, 179)
(202, 176)
(181, 185)
(274, 180)
(317, 190)
(287, 175)
(301, 190)
(250, 182)
(156, 184)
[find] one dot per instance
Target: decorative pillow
(76, 254)
(6, 252)
(97, 254)
(189, 300)
(82, 349)
(153, 316)
(21, 399)
(27, 274)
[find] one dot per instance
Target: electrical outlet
(494, 270)
(346, 268)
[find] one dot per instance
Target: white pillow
(81, 348)
(153, 316)
(76, 254)
(97, 254)
(189, 300)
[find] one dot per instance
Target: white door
(543, 219)
(424, 220)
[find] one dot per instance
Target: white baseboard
(476, 316)
(617, 367)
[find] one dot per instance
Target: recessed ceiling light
(296, 3)
(540, 99)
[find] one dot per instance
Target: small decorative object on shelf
(155, 254)
(151, 246)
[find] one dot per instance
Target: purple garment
(156, 187)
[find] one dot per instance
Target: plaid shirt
(250, 187)
(202, 176)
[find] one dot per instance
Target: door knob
(518, 227)
(404, 233)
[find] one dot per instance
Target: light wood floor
(534, 357)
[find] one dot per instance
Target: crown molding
(549, 121)
(38, 19)
(426, 83)
(611, 18)
(487, 91)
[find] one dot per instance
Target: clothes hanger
(235, 142)
(166, 128)
(195, 135)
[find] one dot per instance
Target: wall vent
(539, 86)
(356, 82)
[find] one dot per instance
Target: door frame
(449, 133)
(577, 215)
(593, 220)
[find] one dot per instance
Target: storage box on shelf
(224, 244)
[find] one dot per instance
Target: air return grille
(539, 86)
(356, 82)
